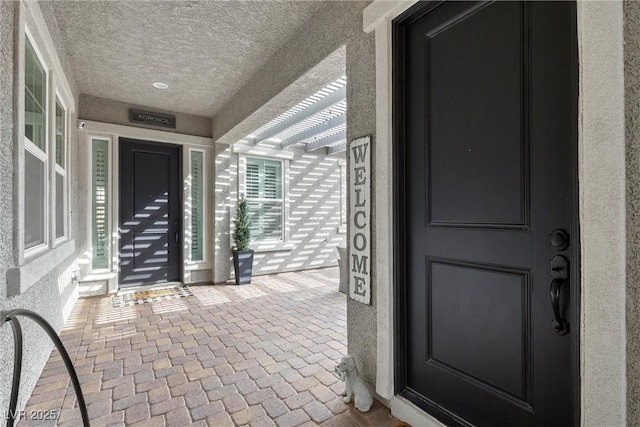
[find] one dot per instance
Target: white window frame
(109, 199)
(31, 265)
(33, 149)
(242, 151)
(205, 211)
(282, 199)
(57, 91)
(62, 170)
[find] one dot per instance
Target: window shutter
(197, 200)
(272, 220)
(272, 180)
(264, 184)
(100, 162)
(253, 180)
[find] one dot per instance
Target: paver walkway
(259, 355)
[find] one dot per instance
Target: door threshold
(146, 288)
(407, 411)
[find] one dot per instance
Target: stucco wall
(325, 33)
(302, 53)
(313, 216)
(117, 112)
(601, 142)
(224, 169)
(632, 119)
(361, 121)
(54, 295)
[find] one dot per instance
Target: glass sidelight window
(197, 205)
(263, 186)
(100, 203)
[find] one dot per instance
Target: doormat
(134, 298)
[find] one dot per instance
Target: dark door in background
(485, 109)
(150, 220)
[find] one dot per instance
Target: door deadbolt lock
(559, 267)
(559, 239)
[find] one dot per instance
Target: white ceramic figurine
(354, 386)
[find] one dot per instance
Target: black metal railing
(11, 316)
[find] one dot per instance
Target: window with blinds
(100, 203)
(197, 205)
(263, 187)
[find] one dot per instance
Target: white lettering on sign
(360, 221)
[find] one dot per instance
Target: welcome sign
(360, 220)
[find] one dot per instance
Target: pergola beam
(331, 139)
(327, 102)
(337, 148)
(316, 130)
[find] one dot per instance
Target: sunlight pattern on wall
(312, 215)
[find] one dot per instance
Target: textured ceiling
(204, 50)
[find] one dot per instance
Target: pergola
(320, 121)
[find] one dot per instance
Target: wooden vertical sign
(360, 220)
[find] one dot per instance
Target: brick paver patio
(259, 355)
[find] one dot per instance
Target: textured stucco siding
(54, 295)
(224, 169)
(632, 118)
(361, 121)
(325, 33)
(313, 214)
(117, 112)
(330, 30)
(46, 7)
(601, 174)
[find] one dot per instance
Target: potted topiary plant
(242, 255)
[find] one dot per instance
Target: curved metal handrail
(11, 317)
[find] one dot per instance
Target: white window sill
(19, 279)
(94, 277)
(271, 247)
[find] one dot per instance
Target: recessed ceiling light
(160, 85)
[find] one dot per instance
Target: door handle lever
(560, 327)
(560, 274)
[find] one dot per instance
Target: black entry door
(485, 148)
(150, 220)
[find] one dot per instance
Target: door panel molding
(399, 152)
(602, 388)
(150, 213)
(523, 397)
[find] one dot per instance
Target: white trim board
(601, 169)
(21, 278)
(262, 152)
(95, 128)
(113, 133)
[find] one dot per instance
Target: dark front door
(486, 107)
(150, 220)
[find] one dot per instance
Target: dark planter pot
(243, 266)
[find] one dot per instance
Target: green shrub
(242, 222)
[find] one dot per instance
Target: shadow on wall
(315, 212)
